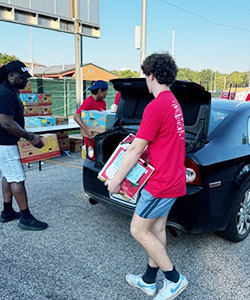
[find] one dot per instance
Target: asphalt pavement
(87, 250)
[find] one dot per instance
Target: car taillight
(192, 172)
(90, 150)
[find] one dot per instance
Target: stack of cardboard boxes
(37, 108)
(38, 113)
(63, 136)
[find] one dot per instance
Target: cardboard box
(39, 121)
(44, 99)
(29, 153)
(61, 120)
(98, 121)
(75, 145)
(29, 99)
(64, 144)
(93, 131)
(30, 110)
(62, 134)
(134, 180)
(45, 110)
(27, 89)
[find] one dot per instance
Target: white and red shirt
(163, 126)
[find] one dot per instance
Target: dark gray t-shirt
(10, 105)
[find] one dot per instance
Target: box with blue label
(29, 99)
(98, 121)
(39, 121)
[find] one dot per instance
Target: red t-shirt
(163, 126)
(248, 97)
(91, 104)
(117, 98)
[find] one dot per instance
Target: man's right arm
(79, 121)
(8, 123)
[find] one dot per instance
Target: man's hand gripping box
(29, 153)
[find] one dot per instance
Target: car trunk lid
(194, 100)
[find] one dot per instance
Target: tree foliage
(211, 80)
(126, 74)
(5, 58)
(214, 80)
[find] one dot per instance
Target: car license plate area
(120, 199)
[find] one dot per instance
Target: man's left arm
(130, 158)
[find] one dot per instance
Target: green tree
(187, 74)
(206, 78)
(246, 77)
(126, 73)
(209, 79)
(5, 58)
(236, 78)
(220, 78)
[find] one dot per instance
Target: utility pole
(79, 94)
(31, 54)
(143, 33)
(249, 78)
(173, 35)
(215, 81)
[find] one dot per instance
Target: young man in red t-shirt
(94, 102)
(162, 130)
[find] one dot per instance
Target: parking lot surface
(87, 250)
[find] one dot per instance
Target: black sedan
(217, 159)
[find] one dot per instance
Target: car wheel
(239, 224)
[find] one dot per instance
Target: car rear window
(216, 118)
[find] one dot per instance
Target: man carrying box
(94, 102)
(162, 129)
(13, 77)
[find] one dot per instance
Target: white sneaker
(171, 290)
(137, 281)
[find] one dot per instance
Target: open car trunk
(194, 100)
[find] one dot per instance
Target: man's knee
(136, 230)
(133, 229)
(158, 229)
(17, 186)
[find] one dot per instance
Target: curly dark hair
(162, 66)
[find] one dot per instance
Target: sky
(212, 34)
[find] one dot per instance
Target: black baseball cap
(18, 67)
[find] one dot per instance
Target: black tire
(239, 224)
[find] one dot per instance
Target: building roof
(54, 70)
(92, 72)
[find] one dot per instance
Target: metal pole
(79, 96)
(81, 67)
(143, 32)
(215, 81)
(249, 78)
(173, 35)
(31, 54)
